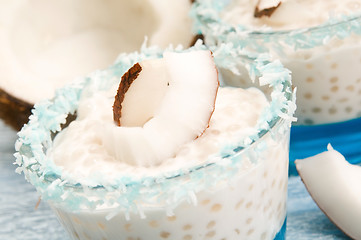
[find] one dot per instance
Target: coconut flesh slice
(45, 44)
(162, 104)
(266, 7)
(335, 186)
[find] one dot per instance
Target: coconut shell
(258, 13)
(126, 80)
(14, 111)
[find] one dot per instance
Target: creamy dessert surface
(80, 148)
(249, 204)
(291, 14)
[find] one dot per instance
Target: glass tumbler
(325, 61)
(238, 193)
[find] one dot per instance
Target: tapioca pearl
(250, 187)
(128, 227)
(333, 79)
(250, 232)
(153, 224)
(133, 238)
(332, 110)
(325, 97)
(308, 121)
(310, 80)
(348, 109)
(249, 220)
(171, 218)
(307, 95)
(164, 235)
(211, 224)
(187, 237)
(334, 65)
(249, 204)
(281, 184)
(237, 231)
(187, 227)
(101, 225)
(316, 110)
(263, 192)
(239, 204)
(343, 100)
(334, 89)
(270, 207)
(273, 184)
(263, 236)
(279, 214)
(210, 234)
(205, 202)
(265, 209)
(216, 207)
(350, 88)
(309, 65)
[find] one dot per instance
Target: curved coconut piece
(266, 7)
(68, 39)
(335, 186)
(14, 111)
(163, 104)
(279, 12)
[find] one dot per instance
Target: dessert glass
(325, 64)
(238, 193)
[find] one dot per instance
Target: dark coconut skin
(14, 111)
(126, 80)
(258, 13)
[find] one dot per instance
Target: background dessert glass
(325, 64)
(238, 193)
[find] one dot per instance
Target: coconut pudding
(45, 44)
(319, 41)
(166, 153)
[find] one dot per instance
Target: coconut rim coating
(167, 189)
(208, 22)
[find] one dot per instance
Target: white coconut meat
(335, 185)
(46, 43)
(164, 108)
(266, 4)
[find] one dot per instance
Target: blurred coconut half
(47, 43)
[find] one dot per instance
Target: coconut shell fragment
(126, 80)
(334, 185)
(264, 8)
(15, 112)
